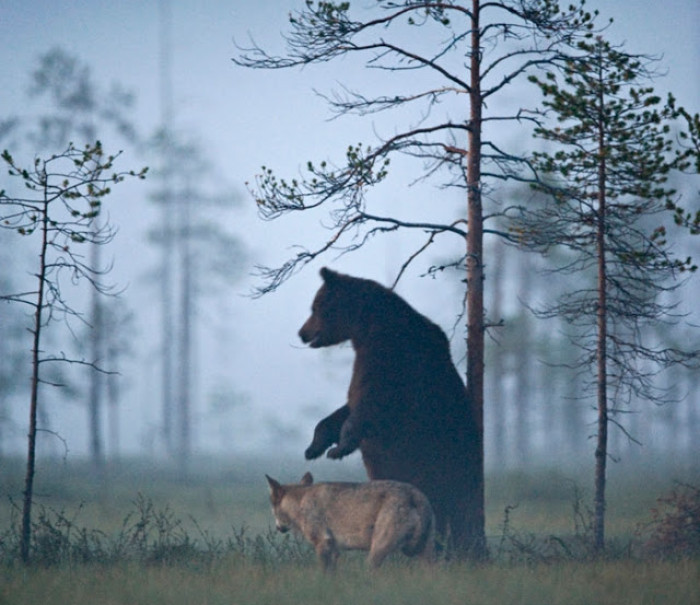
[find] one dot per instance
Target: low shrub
(147, 535)
(674, 531)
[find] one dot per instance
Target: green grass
(142, 534)
(220, 499)
(233, 496)
(614, 583)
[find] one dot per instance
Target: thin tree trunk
(522, 372)
(498, 447)
(184, 394)
(167, 390)
(475, 291)
(26, 530)
(166, 108)
(601, 451)
(96, 382)
(112, 388)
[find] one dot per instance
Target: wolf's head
(284, 508)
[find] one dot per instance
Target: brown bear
(407, 408)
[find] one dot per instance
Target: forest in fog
(172, 357)
(537, 402)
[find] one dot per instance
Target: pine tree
(608, 167)
(481, 48)
(61, 200)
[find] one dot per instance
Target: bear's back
(403, 368)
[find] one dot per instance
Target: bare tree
(64, 196)
(609, 196)
(501, 41)
(119, 322)
(196, 253)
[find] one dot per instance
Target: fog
(243, 119)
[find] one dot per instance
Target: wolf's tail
(423, 542)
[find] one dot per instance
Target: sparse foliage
(674, 531)
(198, 254)
(459, 147)
(80, 110)
(63, 198)
(612, 153)
(77, 105)
(687, 160)
(148, 535)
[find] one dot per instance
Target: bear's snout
(309, 335)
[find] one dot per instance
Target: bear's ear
(328, 275)
(307, 479)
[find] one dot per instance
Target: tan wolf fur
(379, 516)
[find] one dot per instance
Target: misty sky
(245, 119)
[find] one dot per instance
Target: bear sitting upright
(407, 407)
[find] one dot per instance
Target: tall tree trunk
(184, 392)
(167, 297)
(167, 374)
(498, 449)
(692, 422)
(96, 378)
(26, 530)
(601, 451)
(475, 534)
(112, 388)
(522, 370)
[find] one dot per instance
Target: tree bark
(475, 286)
(184, 394)
(601, 451)
(26, 530)
(96, 378)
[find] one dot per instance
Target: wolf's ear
(307, 479)
(274, 485)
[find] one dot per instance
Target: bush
(675, 526)
(148, 536)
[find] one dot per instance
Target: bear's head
(332, 312)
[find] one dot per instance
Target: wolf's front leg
(327, 432)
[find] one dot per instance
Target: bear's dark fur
(407, 407)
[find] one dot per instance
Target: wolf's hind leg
(388, 536)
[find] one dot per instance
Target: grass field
(144, 535)
(613, 583)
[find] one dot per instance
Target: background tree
(459, 147)
(119, 322)
(688, 161)
(64, 197)
(80, 111)
(12, 357)
(77, 107)
(609, 166)
(196, 252)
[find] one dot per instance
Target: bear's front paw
(313, 451)
(335, 453)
